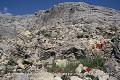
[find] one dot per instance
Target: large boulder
(79, 68)
(100, 74)
(20, 76)
(112, 78)
(116, 45)
(112, 66)
(75, 78)
(42, 75)
(57, 78)
(61, 63)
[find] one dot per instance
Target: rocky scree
(68, 31)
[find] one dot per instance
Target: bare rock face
(42, 75)
(69, 25)
(9, 24)
(20, 76)
(116, 45)
(113, 67)
(63, 26)
(112, 78)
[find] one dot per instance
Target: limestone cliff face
(66, 25)
(77, 15)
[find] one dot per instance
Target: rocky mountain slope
(70, 29)
(80, 15)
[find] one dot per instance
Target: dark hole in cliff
(48, 54)
(35, 13)
(80, 36)
(44, 41)
(38, 39)
(72, 10)
(27, 62)
(39, 66)
(19, 49)
(38, 33)
(47, 11)
(52, 53)
(71, 50)
(26, 56)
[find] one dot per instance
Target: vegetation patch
(11, 62)
(97, 62)
(69, 68)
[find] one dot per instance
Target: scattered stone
(61, 63)
(65, 77)
(112, 67)
(75, 78)
(100, 74)
(19, 62)
(79, 68)
(42, 75)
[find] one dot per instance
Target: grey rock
(20, 76)
(116, 45)
(65, 77)
(112, 66)
(112, 78)
(42, 75)
(48, 54)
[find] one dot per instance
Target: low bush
(69, 68)
(97, 62)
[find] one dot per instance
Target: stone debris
(66, 32)
(61, 63)
(56, 78)
(116, 45)
(100, 74)
(75, 78)
(113, 67)
(19, 62)
(42, 75)
(79, 68)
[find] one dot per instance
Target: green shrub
(11, 62)
(108, 35)
(98, 62)
(118, 78)
(69, 68)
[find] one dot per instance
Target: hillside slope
(69, 31)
